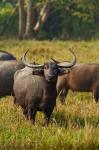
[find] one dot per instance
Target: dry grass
(73, 126)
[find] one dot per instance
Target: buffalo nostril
(51, 77)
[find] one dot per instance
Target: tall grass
(74, 125)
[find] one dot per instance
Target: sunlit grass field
(74, 125)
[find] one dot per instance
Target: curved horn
(57, 62)
(54, 60)
(68, 65)
(28, 64)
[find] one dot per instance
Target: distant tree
(30, 20)
(29, 27)
(22, 19)
(43, 15)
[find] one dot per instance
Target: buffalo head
(51, 69)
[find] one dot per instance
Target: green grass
(73, 126)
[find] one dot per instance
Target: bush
(5, 13)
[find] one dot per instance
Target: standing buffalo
(83, 78)
(7, 70)
(35, 87)
(6, 56)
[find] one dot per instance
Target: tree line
(41, 19)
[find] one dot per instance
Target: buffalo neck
(51, 87)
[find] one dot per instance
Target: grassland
(73, 126)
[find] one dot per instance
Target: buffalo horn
(28, 64)
(66, 64)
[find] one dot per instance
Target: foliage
(72, 19)
(5, 13)
(67, 19)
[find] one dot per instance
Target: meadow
(73, 126)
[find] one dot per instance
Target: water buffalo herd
(35, 87)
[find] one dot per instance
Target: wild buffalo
(6, 56)
(35, 87)
(7, 70)
(82, 78)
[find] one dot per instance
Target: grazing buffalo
(7, 70)
(82, 78)
(6, 56)
(35, 87)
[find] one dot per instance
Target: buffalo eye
(46, 67)
(55, 71)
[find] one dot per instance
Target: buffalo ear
(38, 72)
(64, 71)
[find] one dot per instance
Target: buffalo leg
(96, 94)
(33, 116)
(47, 118)
(29, 113)
(14, 100)
(25, 112)
(63, 95)
(48, 112)
(96, 97)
